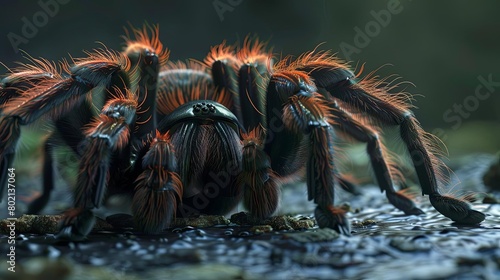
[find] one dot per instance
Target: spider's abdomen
(208, 149)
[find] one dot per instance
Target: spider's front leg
(158, 187)
(261, 185)
(109, 133)
(303, 133)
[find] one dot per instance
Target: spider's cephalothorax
(198, 137)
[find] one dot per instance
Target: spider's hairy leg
(347, 184)
(147, 55)
(58, 94)
(54, 95)
(261, 186)
(70, 133)
(13, 86)
(48, 178)
(10, 89)
(252, 76)
(224, 65)
(364, 133)
(10, 132)
(158, 188)
(108, 133)
(372, 97)
(306, 127)
(251, 97)
(455, 209)
(24, 77)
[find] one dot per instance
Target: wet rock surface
(427, 247)
(385, 244)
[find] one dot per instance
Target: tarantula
(198, 137)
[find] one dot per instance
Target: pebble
(97, 261)
(244, 233)
(52, 252)
(317, 235)
(133, 245)
(412, 244)
(148, 257)
(200, 233)
(33, 248)
(261, 229)
(21, 237)
(160, 251)
(141, 252)
(183, 229)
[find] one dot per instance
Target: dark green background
(440, 46)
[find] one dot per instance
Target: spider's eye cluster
(203, 108)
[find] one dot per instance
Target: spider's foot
(403, 203)
(76, 225)
(334, 218)
(457, 210)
